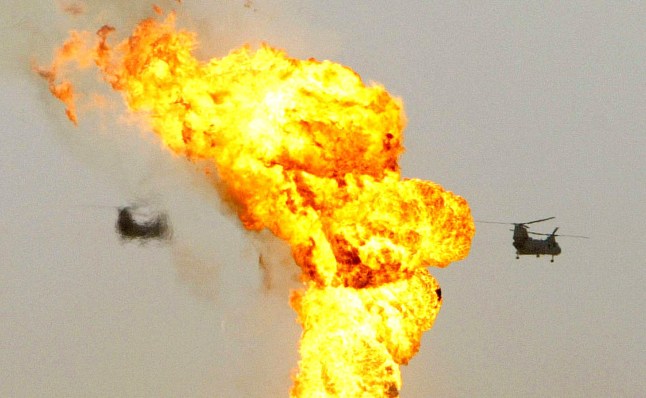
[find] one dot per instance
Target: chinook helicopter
(138, 222)
(526, 245)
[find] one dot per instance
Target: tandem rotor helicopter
(526, 245)
(140, 221)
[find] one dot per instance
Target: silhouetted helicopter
(136, 222)
(525, 245)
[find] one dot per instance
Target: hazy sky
(526, 109)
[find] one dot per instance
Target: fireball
(310, 152)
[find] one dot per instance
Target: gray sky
(527, 110)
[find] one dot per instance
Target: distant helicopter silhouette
(141, 222)
(526, 245)
(137, 222)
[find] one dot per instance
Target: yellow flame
(310, 152)
(354, 339)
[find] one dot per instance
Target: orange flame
(308, 151)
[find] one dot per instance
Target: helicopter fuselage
(537, 246)
(529, 246)
(133, 223)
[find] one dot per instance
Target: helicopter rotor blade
(543, 219)
(513, 223)
(575, 236)
(553, 234)
(494, 222)
(539, 233)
